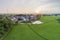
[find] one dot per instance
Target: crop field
(49, 30)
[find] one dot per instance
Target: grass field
(49, 30)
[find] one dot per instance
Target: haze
(30, 6)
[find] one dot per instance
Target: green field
(49, 30)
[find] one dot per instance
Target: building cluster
(23, 18)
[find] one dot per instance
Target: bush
(58, 20)
(5, 25)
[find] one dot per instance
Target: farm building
(27, 17)
(24, 18)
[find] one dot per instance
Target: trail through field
(49, 30)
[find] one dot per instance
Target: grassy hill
(49, 30)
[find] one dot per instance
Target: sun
(36, 11)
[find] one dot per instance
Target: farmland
(49, 30)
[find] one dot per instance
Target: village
(23, 18)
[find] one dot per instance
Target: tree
(5, 25)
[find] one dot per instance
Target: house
(23, 18)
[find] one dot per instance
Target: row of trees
(5, 25)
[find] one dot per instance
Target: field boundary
(36, 32)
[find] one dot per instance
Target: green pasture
(49, 30)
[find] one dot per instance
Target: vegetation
(50, 30)
(5, 26)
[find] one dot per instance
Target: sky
(30, 6)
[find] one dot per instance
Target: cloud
(29, 5)
(50, 7)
